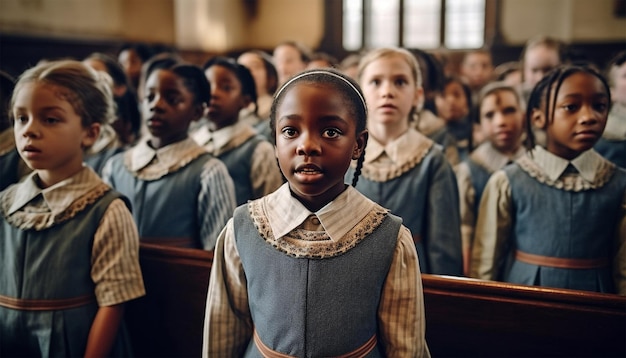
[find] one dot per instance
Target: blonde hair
(88, 91)
(389, 52)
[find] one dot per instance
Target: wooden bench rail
(464, 317)
(467, 317)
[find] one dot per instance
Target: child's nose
(30, 129)
(309, 145)
(587, 115)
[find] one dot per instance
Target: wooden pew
(464, 317)
(168, 321)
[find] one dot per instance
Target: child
(477, 70)
(68, 244)
(540, 55)
(290, 58)
(315, 269)
(501, 117)
(402, 169)
(453, 106)
(12, 167)
(265, 79)
(248, 156)
(132, 57)
(182, 196)
(612, 145)
(557, 217)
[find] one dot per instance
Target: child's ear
(539, 119)
(361, 142)
(91, 135)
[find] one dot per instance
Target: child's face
(49, 133)
(315, 142)
(168, 108)
(452, 103)
(257, 68)
(131, 62)
(538, 61)
(478, 69)
(579, 116)
(226, 97)
(288, 62)
(390, 91)
(619, 88)
(501, 120)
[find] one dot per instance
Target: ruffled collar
(491, 159)
(148, 163)
(224, 139)
(592, 171)
(399, 156)
(279, 215)
(26, 205)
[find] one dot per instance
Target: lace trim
(573, 183)
(393, 171)
(39, 221)
(314, 245)
(154, 172)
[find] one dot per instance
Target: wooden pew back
(464, 317)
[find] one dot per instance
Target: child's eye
(331, 133)
(150, 97)
(570, 107)
(509, 110)
(51, 120)
(375, 82)
(288, 132)
(600, 106)
(401, 82)
(21, 119)
(488, 116)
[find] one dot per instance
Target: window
(425, 24)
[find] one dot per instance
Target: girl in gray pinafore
(315, 269)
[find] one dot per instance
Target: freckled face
(316, 141)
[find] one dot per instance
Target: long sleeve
(228, 324)
(467, 198)
(115, 257)
(493, 229)
(401, 310)
(620, 256)
(443, 236)
(265, 175)
(216, 202)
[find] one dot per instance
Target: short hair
(86, 89)
(243, 74)
(270, 70)
(305, 52)
(113, 67)
(495, 87)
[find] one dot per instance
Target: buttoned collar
(587, 163)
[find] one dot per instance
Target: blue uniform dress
(48, 297)
(612, 145)
(472, 176)
(559, 224)
(181, 195)
(249, 157)
(412, 178)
